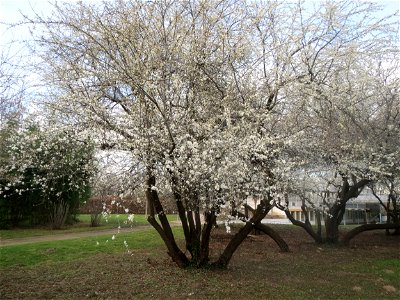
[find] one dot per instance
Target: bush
(44, 177)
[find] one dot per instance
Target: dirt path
(69, 236)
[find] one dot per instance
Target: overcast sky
(10, 12)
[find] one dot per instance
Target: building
(364, 209)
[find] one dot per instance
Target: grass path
(70, 236)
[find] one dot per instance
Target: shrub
(44, 177)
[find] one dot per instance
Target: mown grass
(112, 221)
(386, 270)
(76, 249)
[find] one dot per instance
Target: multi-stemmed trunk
(333, 216)
(58, 213)
(198, 235)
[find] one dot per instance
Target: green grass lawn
(118, 219)
(81, 248)
(113, 221)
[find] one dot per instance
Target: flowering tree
(45, 177)
(385, 150)
(206, 95)
(355, 140)
(113, 181)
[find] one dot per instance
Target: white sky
(10, 12)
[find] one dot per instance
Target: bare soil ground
(368, 269)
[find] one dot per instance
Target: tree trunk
(336, 212)
(319, 227)
(205, 238)
(307, 227)
(332, 230)
(332, 221)
(182, 214)
(164, 230)
(59, 214)
(177, 257)
(274, 235)
(238, 238)
(396, 212)
(266, 229)
(366, 227)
